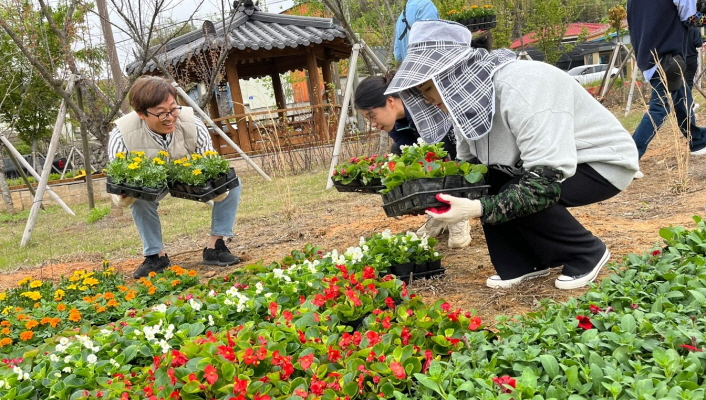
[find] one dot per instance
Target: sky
(179, 10)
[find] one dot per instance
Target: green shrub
(97, 214)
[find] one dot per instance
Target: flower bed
(283, 331)
(36, 310)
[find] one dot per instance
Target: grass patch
(95, 234)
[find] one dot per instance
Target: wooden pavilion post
(315, 93)
(243, 139)
(215, 114)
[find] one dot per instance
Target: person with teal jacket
(413, 11)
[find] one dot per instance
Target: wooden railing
(281, 129)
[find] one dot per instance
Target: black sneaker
(220, 255)
(153, 263)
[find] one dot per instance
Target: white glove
(458, 209)
(220, 197)
(121, 201)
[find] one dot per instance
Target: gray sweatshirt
(543, 117)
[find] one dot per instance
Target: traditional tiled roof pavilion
(261, 44)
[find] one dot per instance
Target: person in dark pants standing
(661, 27)
(694, 43)
(548, 144)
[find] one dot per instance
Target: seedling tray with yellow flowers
(136, 175)
(201, 177)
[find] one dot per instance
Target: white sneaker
(431, 228)
(700, 152)
(496, 283)
(575, 282)
(459, 234)
(639, 175)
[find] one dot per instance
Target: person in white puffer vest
(157, 124)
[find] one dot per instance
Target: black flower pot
(422, 185)
(420, 268)
(402, 269)
(454, 181)
(434, 265)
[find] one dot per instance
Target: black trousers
(551, 237)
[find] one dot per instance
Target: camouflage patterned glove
(458, 209)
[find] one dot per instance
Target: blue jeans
(144, 213)
(658, 110)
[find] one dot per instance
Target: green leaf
(628, 324)
(550, 365)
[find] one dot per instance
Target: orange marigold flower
(36, 305)
(31, 324)
(192, 273)
(45, 320)
(26, 335)
(61, 307)
(5, 323)
(100, 309)
(74, 315)
(122, 288)
(112, 303)
(5, 331)
(54, 322)
(152, 290)
(176, 282)
(22, 317)
(108, 295)
(5, 342)
(152, 274)
(130, 295)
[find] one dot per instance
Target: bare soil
(628, 223)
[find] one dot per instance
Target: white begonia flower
(164, 345)
(169, 333)
(64, 341)
(259, 287)
(26, 376)
(211, 293)
(57, 374)
(420, 141)
(211, 322)
(386, 234)
(114, 363)
(228, 302)
(67, 370)
(232, 292)
(106, 331)
(59, 348)
(160, 308)
(150, 333)
(310, 284)
(268, 295)
(53, 358)
(92, 359)
(361, 241)
(196, 305)
(436, 254)
(67, 359)
(2, 383)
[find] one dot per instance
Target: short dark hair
(371, 91)
(150, 91)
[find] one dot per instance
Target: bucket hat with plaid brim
(441, 51)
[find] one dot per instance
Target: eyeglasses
(164, 115)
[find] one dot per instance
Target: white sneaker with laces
(575, 282)
(701, 152)
(639, 175)
(459, 234)
(496, 283)
(431, 228)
